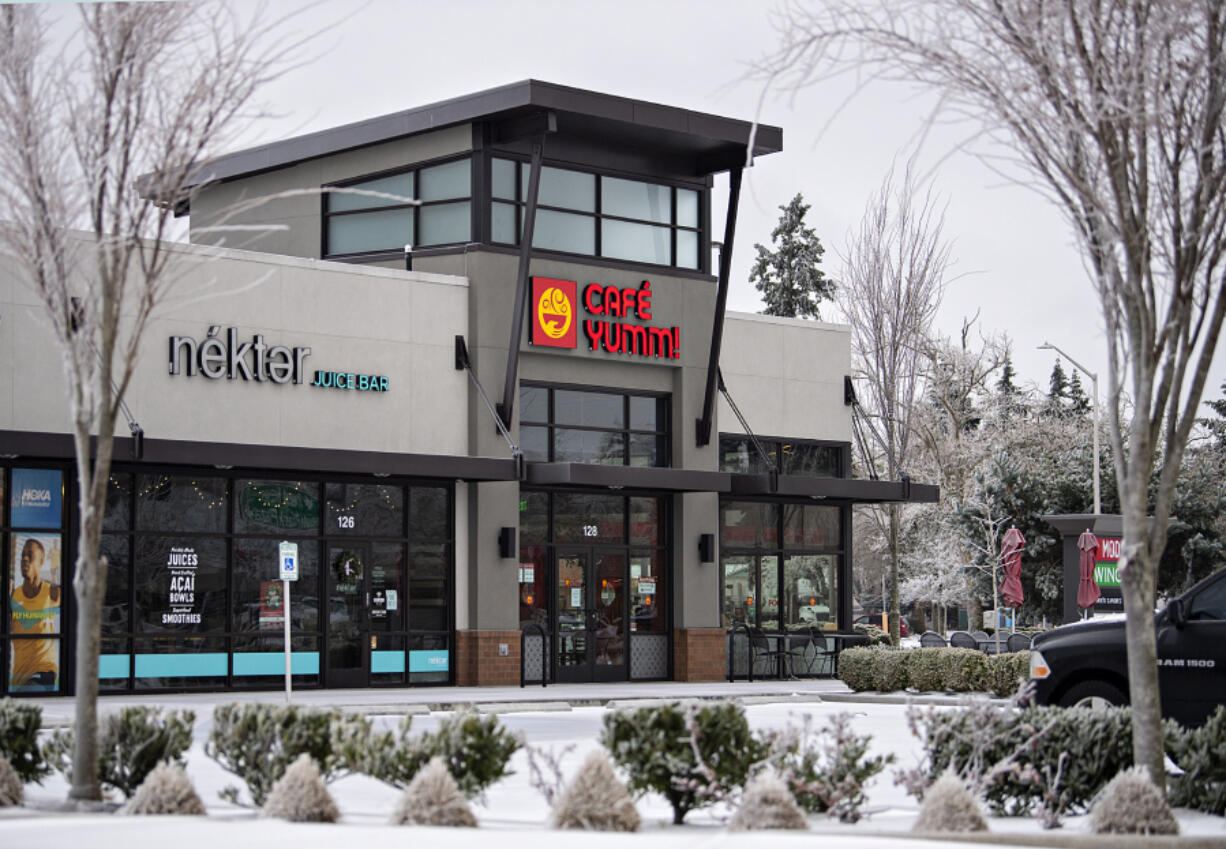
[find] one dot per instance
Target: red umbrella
(1087, 588)
(1011, 558)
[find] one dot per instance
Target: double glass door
(591, 615)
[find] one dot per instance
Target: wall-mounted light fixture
(506, 542)
(706, 548)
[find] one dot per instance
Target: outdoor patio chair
(962, 640)
(931, 640)
(820, 654)
(1019, 642)
(760, 649)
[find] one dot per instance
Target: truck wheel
(1093, 694)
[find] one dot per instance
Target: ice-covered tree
(100, 139)
(893, 278)
(1114, 110)
(790, 276)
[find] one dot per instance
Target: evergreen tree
(790, 277)
(1057, 392)
(1217, 424)
(1006, 386)
(1079, 401)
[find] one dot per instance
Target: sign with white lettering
(288, 556)
(35, 498)
(182, 563)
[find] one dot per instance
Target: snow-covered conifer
(949, 806)
(1131, 804)
(11, 791)
(165, 790)
(768, 803)
(433, 798)
(596, 800)
(301, 795)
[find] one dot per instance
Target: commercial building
(526, 439)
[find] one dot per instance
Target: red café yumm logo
(553, 312)
(555, 319)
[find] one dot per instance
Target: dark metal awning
(627, 477)
(843, 489)
(245, 455)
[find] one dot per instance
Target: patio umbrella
(1087, 588)
(1011, 558)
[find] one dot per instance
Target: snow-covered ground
(514, 814)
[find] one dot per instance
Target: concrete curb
(1058, 840)
(939, 699)
(521, 707)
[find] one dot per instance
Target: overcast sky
(1014, 260)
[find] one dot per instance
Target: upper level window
(387, 221)
(606, 428)
(791, 457)
(612, 217)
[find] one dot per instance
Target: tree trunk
(895, 613)
(1137, 586)
(89, 585)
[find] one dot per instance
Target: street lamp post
(1094, 382)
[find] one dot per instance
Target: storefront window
(602, 428)
(739, 454)
(589, 518)
(354, 509)
(630, 220)
(778, 586)
(423, 206)
(196, 602)
(181, 503)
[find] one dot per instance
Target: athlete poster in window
(36, 598)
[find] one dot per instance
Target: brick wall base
(478, 663)
(699, 654)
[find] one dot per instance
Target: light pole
(1094, 382)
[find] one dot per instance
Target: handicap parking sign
(289, 561)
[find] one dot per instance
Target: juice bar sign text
(229, 357)
(556, 323)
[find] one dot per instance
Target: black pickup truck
(1086, 662)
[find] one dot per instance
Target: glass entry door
(348, 615)
(590, 615)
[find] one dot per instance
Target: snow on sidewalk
(514, 814)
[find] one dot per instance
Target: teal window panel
(436, 660)
(387, 661)
(195, 665)
(273, 663)
(114, 666)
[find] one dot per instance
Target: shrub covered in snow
(433, 798)
(596, 800)
(258, 742)
(950, 806)
(856, 668)
(768, 803)
(964, 670)
(1131, 804)
(131, 743)
(20, 723)
(924, 668)
(301, 795)
(11, 791)
(475, 748)
(691, 768)
(1201, 754)
(1007, 753)
(166, 790)
(826, 770)
(1006, 671)
(890, 670)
